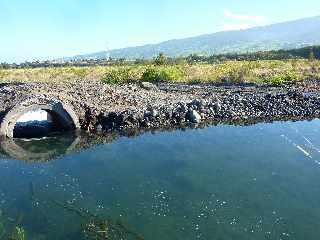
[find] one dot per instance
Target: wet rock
(217, 106)
(99, 128)
(196, 104)
(193, 116)
(154, 113)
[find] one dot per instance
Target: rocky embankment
(181, 105)
(103, 107)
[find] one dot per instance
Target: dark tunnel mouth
(62, 119)
(39, 128)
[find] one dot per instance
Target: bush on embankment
(163, 74)
(260, 72)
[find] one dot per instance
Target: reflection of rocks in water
(36, 150)
(53, 147)
(50, 148)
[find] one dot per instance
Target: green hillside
(288, 35)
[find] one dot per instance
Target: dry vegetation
(261, 72)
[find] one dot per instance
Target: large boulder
(193, 116)
(148, 86)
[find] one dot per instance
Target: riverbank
(102, 107)
(181, 105)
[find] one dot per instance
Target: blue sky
(42, 29)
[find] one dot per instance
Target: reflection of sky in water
(224, 182)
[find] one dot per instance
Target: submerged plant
(15, 232)
(100, 228)
(18, 234)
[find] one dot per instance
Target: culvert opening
(34, 124)
(39, 120)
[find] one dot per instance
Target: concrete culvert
(59, 115)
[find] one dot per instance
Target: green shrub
(168, 74)
(239, 73)
(279, 79)
(79, 72)
(117, 76)
(161, 59)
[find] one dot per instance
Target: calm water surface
(221, 182)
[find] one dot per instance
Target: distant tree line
(299, 53)
(311, 53)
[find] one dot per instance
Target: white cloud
(230, 27)
(257, 19)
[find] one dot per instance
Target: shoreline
(104, 108)
(78, 141)
(233, 104)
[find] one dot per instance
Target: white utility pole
(107, 51)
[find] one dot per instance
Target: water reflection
(223, 182)
(52, 147)
(37, 150)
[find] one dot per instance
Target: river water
(221, 182)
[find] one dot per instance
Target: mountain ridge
(285, 35)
